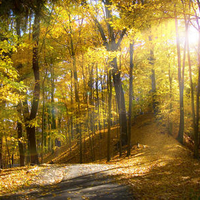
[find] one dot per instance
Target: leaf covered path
(80, 181)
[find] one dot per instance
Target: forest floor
(158, 168)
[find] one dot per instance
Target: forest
(72, 69)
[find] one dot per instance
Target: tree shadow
(99, 185)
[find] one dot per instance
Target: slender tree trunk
(78, 131)
(71, 118)
(196, 131)
(53, 123)
(170, 106)
(180, 78)
(130, 98)
(19, 124)
(153, 77)
(109, 113)
(80, 143)
(53, 118)
(43, 117)
(89, 130)
(194, 119)
(91, 102)
(1, 152)
(98, 106)
(21, 148)
(8, 151)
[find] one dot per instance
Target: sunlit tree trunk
(194, 117)
(181, 83)
(71, 118)
(195, 120)
(98, 105)
(170, 125)
(196, 131)
(153, 77)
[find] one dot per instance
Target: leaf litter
(158, 168)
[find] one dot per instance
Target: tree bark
(130, 98)
(43, 117)
(170, 127)
(153, 78)
(196, 131)
(181, 85)
(109, 113)
(36, 92)
(120, 101)
(1, 155)
(19, 107)
(21, 148)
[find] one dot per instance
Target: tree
(130, 97)
(112, 43)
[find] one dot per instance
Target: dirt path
(81, 181)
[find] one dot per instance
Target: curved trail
(80, 181)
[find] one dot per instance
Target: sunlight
(193, 35)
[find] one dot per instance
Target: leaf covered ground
(158, 168)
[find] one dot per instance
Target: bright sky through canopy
(193, 35)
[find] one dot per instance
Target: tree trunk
(153, 78)
(196, 132)
(19, 107)
(112, 45)
(53, 121)
(130, 99)
(181, 85)
(36, 92)
(98, 106)
(109, 113)
(8, 151)
(121, 101)
(91, 111)
(21, 148)
(1, 155)
(71, 118)
(43, 117)
(170, 106)
(80, 143)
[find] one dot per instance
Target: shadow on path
(81, 182)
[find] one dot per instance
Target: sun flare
(193, 36)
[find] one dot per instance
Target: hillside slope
(158, 168)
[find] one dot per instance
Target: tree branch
(121, 37)
(101, 32)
